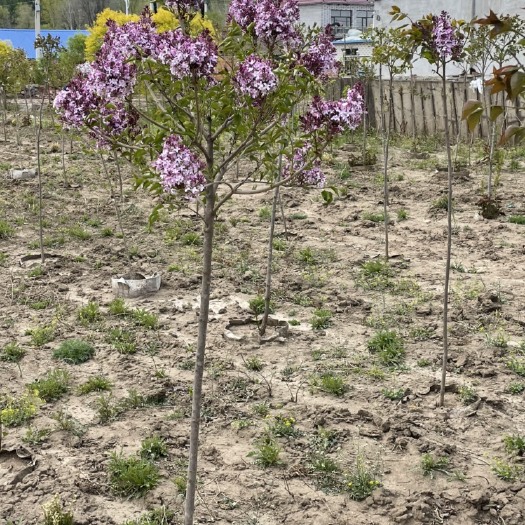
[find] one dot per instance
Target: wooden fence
(417, 106)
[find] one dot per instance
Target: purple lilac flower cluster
(335, 116)
(313, 176)
(445, 41)
(179, 168)
(320, 59)
(187, 56)
(242, 12)
(274, 19)
(255, 78)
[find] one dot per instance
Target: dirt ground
(378, 426)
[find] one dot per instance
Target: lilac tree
(213, 102)
(439, 40)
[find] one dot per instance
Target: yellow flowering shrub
(164, 19)
(16, 411)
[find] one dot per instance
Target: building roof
(338, 2)
(25, 38)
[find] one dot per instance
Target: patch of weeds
(261, 409)
(298, 216)
(394, 394)
(265, 213)
(402, 215)
(515, 388)
(41, 335)
(283, 426)
(67, 423)
(160, 516)
(321, 319)
(78, 232)
(361, 480)
(3, 258)
(191, 239)
(279, 245)
(53, 385)
(424, 362)
(131, 477)
(308, 256)
(181, 484)
(517, 219)
(467, 394)
(134, 400)
(431, 464)
(388, 346)
(505, 470)
(439, 204)
(107, 409)
(153, 448)
(144, 318)
(376, 373)
(515, 444)
(302, 300)
(90, 313)
(374, 216)
(36, 436)
(6, 230)
(55, 514)
(420, 333)
(123, 341)
(517, 365)
(107, 232)
(239, 424)
(12, 353)
(254, 363)
(457, 267)
(37, 271)
(325, 470)
(374, 275)
(18, 410)
(499, 339)
(40, 305)
(118, 307)
(95, 384)
(257, 305)
(330, 383)
(267, 452)
(294, 322)
(74, 351)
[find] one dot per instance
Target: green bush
(74, 351)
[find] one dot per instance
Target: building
(25, 38)
(340, 15)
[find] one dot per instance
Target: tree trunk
(268, 286)
(209, 222)
(449, 243)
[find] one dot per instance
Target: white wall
(461, 9)
(311, 15)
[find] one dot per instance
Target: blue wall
(25, 38)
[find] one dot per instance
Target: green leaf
(328, 196)
(495, 112)
(517, 84)
(512, 131)
(472, 113)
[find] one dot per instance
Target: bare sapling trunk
(269, 260)
(4, 114)
(209, 222)
(365, 127)
(119, 174)
(449, 242)
(40, 198)
(63, 144)
(114, 198)
(386, 140)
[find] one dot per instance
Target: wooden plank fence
(417, 106)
